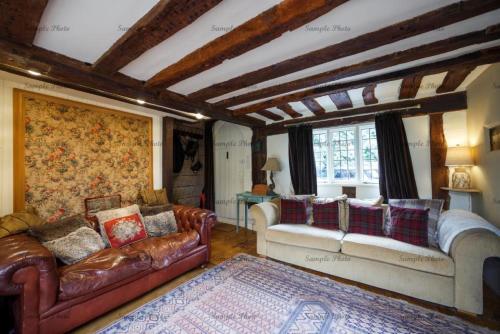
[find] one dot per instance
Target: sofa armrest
(469, 250)
(27, 270)
(201, 220)
(265, 214)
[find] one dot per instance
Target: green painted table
(248, 197)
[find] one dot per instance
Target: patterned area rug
(252, 295)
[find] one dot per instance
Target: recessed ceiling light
(141, 101)
(198, 116)
(35, 73)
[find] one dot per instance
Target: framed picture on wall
(494, 134)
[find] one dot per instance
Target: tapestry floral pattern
(73, 152)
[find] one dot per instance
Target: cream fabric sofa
(453, 280)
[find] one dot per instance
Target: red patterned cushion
(409, 225)
(326, 215)
(124, 230)
(293, 211)
(366, 220)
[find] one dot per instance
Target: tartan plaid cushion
(366, 220)
(326, 215)
(293, 211)
(434, 205)
(409, 225)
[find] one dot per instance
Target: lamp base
(460, 179)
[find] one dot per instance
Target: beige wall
(484, 110)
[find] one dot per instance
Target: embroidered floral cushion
(326, 215)
(161, 224)
(366, 220)
(124, 230)
(409, 225)
(104, 216)
(293, 211)
(76, 246)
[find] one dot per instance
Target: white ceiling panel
(214, 23)
(327, 103)
(301, 109)
(356, 96)
(472, 76)
(473, 24)
(429, 85)
(85, 29)
(388, 91)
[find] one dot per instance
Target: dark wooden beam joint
(19, 19)
(423, 106)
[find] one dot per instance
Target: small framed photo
(494, 134)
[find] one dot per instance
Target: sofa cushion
(304, 235)
(58, 229)
(76, 245)
(435, 207)
(365, 220)
(167, 249)
(294, 211)
(104, 268)
(409, 225)
(161, 224)
(124, 230)
(399, 253)
(326, 215)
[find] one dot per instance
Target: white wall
(10, 81)
(417, 132)
(483, 97)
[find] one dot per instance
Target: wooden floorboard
(226, 243)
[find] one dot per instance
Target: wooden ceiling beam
(410, 86)
(440, 103)
(423, 51)
(369, 94)
(75, 74)
(19, 19)
(453, 79)
(286, 108)
(286, 16)
(481, 57)
(269, 114)
(313, 106)
(341, 100)
(429, 21)
(165, 19)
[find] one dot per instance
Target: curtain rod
(417, 106)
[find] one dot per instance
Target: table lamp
(460, 158)
(272, 165)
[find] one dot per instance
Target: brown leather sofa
(55, 299)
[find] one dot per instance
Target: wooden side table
(461, 198)
(248, 197)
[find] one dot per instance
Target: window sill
(353, 184)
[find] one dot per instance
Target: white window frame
(359, 156)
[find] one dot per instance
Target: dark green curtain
(301, 159)
(396, 177)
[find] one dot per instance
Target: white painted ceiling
(85, 29)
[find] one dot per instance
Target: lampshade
(272, 164)
(459, 156)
